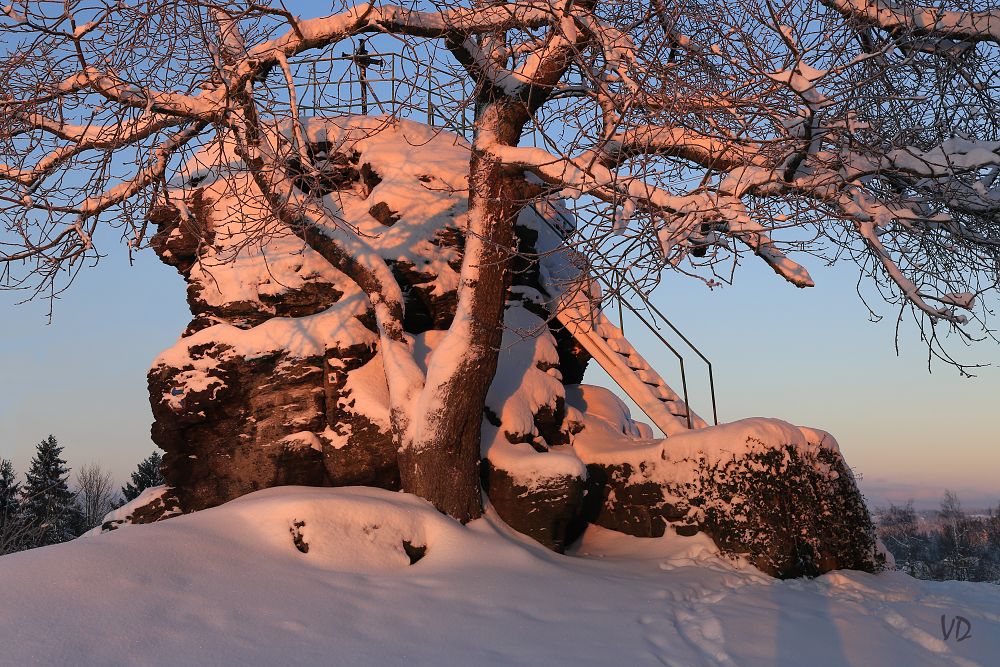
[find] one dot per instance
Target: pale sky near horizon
(808, 356)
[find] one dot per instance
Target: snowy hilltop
(360, 576)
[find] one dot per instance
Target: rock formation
(278, 379)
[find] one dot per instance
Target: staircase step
(647, 376)
(667, 394)
(619, 346)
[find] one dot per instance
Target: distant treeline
(953, 545)
(47, 508)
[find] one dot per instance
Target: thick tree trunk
(441, 462)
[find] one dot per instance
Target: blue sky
(807, 356)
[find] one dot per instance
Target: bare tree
(96, 494)
(689, 134)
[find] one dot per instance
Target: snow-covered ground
(228, 586)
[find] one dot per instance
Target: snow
(423, 174)
(302, 440)
(526, 466)
(299, 337)
(228, 586)
(599, 403)
(678, 459)
(520, 388)
(367, 392)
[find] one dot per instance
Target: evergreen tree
(147, 474)
(49, 508)
(9, 508)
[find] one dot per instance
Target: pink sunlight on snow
(227, 586)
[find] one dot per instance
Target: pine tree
(49, 508)
(147, 474)
(9, 508)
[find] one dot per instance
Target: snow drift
(229, 585)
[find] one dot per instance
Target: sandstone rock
(226, 439)
(617, 502)
(779, 496)
(278, 379)
(549, 512)
(790, 513)
(384, 214)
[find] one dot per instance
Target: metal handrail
(680, 358)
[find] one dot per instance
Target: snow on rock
(537, 493)
(153, 504)
(230, 585)
(600, 403)
(296, 337)
(278, 379)
(525, 383)
(778, 494)
(249, 265)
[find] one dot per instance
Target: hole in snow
(296, 530)
(414, 553)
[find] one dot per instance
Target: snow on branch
(965, 26)
(685, 213)
(783, 127)
(710, 152)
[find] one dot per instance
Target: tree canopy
(688, 134)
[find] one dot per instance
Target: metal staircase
(577, 308)
(608, 346)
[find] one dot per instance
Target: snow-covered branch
(682, 215)
(964, 26)
(710, 152)
(687, 125)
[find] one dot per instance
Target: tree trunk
(441, 462)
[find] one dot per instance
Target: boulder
(777, 495)
(278, 378)
(548, 510)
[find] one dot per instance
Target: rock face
(550, 512)
(278, 378)
(778, 495)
